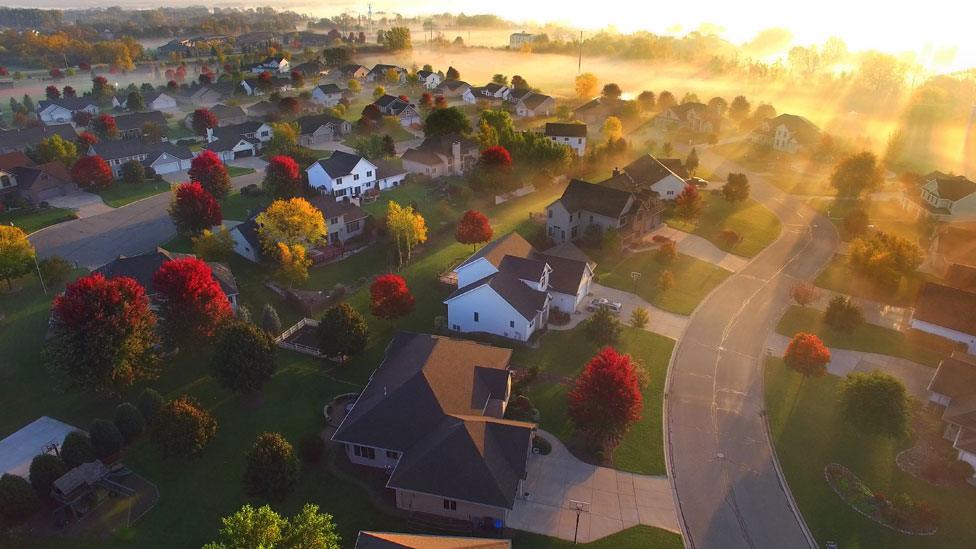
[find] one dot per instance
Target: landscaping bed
(899, 513)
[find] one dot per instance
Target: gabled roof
(389, 101)
(947, 307)
(956, 376)
(961, 276)
(682, 110)
(329, 89)
(495, 251)
(493, 87)
(534, 100)
(425, 74)
(421, 156)
(390, 540)
(141, 268)
(330, 208)
(954, 187)
(133, 147)
(962, 411)
(647, 170)
(28, 175)
(70, 103)
(567, 273)
(525, 268)
(351, 68)
(225, 112)
(804, 131)
(308, 124)
(22, 138)
(387, 168)
(599, 199)
(135, 120)
(227, 137)
(556, 129)
(340, 163)
(453, 85)
(14, 159)
(380, 68)
(525, 300)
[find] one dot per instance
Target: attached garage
(166, 166)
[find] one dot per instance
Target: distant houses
(132, 125)
(455, 89)
(787, 133)
(21, 139)
(23, 180)
(61, 111)
(162, 157)
(573, 135)
(518, 39)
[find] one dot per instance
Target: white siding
(428, 503)
(474, 271)
(495, 315)
(670, 187)
(968, 339)
(242, 247)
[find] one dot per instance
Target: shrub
(558, 318)
(76, 449)
(603, 328)
(18, 501)
(729, 237)
(311, 448)
(128, 421)
(843, 315)
(55, 270)
(541, 444)
(44, 470)
(272, 468)
(667, 253)
(183, 428)
(639, 318)
(521, 409)
(150, 401)
(106, 439)
(133, 172)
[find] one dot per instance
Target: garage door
(244, 154)
(167, 167)
(50, 192)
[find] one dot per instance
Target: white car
(604, 302)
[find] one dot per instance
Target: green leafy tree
(603, 328)
(135, 102)
(691, 162)
(639, 318)
(884, 258)
(263, 528)
(106, 439)
(55, 270)
(18, 501)
(271, 469)
(133, 172)
(843, 315)
(243, 360)
(44, 470)
(76, 449)
(270, 322)
(857, 173)
(446, 122)
(16, 254)
(129, 421)
(182, 428)
(875, 402)
(56, 149)
(736, 188)
(343, 332)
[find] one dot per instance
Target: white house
(948, 312)
(60, 111)
(954, 387)
(159, 101)
(238, 140)
(273, 64)
(429, 79)
(492, 91)
(164, 157)
(391, 105)
(441, 156)
(517, 39)
(327, 95)
(657, 175)
(244, 235)
(535, 104)
(573, 135)
(342, 174)
(787, 133)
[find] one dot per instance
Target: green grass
(238, 207)
(645, 537)
(693, 279)
(809, 433)
(840, 277)
(397, 132)
(30, 221)
(563, 354)
(177, 130)
(122, 193)
(886, 216)
(756, 225)
(869, 338)
(237, 171)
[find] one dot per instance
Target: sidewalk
(699, 248)
(659, 321)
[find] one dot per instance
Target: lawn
(237, 171)
(809, 433)
(238, 207)
(122, 193)
(839, 277)
(646, 537)
(869, 338)
(397, 132)
(755, 224)
(561, 358)
(693, 279)
(31, 221)
(886, 216)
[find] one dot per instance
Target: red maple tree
(390, 298)
(606, 398)
(689, 201)
(807, 355)
(282, 177)
(202, 119)
(92, 173)
(289, 106)
(105, 126)
(81, 118)
(85, 140)
(496, 158)
(426, 100)
(473, 228)
(209, 170)
(193, 304)
(104, 332)
(69, 91)
(440, 102)
(52, 92)
(194, 209)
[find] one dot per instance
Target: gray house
(583, 204)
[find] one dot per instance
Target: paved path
(659, 321)
(84, 204)
(699, 248)
(728, 486)
(616, 500)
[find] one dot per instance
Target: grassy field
(885, 216)
(809, 433)
(693, 279)
(238, 207)
(562, 356)
(122, 193)
(30, 221)
(869, 338)
(756, 225)
(839, 277)
(646, 537)
(237, 171)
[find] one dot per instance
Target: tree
(85, 141)
(354, 86)
(18, 501)
(289, 106)
(611, 92)
(389, 146)
(244, 358)
(52, 92)
(202, 119)
(56, 149)
(269, 320)
(407, 227)
(54, 270)
(390, 297)
(106, 439)
(262, 527)
(192, 301)
(856, 222)
(519, 83)
(92, 173)
(452, 74)
(44, 470)
(150, 403)
(182, 428)
(804, 293)
(666, 100)
(76, 449)
(291, 221)
(343, 332)
(875, 402)
(129, 421)
(379, 91)
(603, 328)
(105, 126)
(606, 398)
(739, 108)
(213, 246)
(135, 102)
(271, 470)
(665, 281)
(133, 172)
(807, 355)
(843, 315)
(208, 169)
(297, 79)
(104, 333)
(645, 100)
(883, 257)
(718, 106)
(857, 173)
(639, 318)
(612, 129)
(688, 202)
(447, 121)
(284, 138)
(282, 177)
(667, 252)
(494, 170)
(736, 187)
(293, 264)
(193, 209)
(473, 228)
(395, 39)
(16, 254)
(585, 85)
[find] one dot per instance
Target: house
(431, 417)
(693, 116)
(141, 268)
(946, 197)
(352, 71)
(252, 86)
(583, 204)
(391, 105)
(22, 139)
(455, 89)
(327, 95)
(650, 173)
(442, 156)
(239, 140)
(379, 73)
(954, 387)
(342, 174)
(247, 243)
(344, 219)
(507, 288)
(429, 79)
(595, 111)
(272, 64)
(228, 115)
(535, 104)
(518, 39)
(492, 91)
(948, 312)
(262, 109)
(391, 540)
(61, 110)
(310, 69)
(321, 128)
(160, 101)
(130, 125)
(164, 157)
(201, 95)
(389, 173)
(573, 135)
(23, 180)
(787, 133)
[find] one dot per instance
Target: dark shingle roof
(329, 89)
(141, 268)
(599, 199)
(647, 170)
(961, 276)
(340, 163)
(567, 274)
(23, 138)
(525, 300)
(132, 147)
(308, 124)
(135, 120)
(391, 540)
(523, 267)
(556, 129)
(70, 103)
(534, 100)
(804, 131)
(225, 112)
(956, 376)
(955, 187)
(330, 207)
(947, 307)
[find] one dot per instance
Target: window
(670, 193)
(338, 181)
(352, 227)
(355, 177)
(340, 192)
(364, 452)
(591, 219)
(476, 316)
(5, 180)
(456, 327)
(450, 505)
(392, 455)
(550, 213)
(573, 232)
(369, 174)
(333, 221)
(511, 323)
(579, 141)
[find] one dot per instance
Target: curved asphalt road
(728, 491)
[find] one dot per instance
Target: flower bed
(900, 513)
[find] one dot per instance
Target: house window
(550, 214)
(333, 220)
(579, 141)
(456, 327)
(340, 192)
(573, 232)
(450, 505)
(476, 316)
(670, 193)
(369, 174)
(338, 181)
(355, 177)
(392, 455)
(364, 452)
(511, 323)
(352, 227)
(591, 219)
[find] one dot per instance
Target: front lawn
(841, 278)
(122, 193)
(238, 207)
(33, 220)
(397, 132)
(237, 171)
(755, 224)
(561, 357)
(809, 433)
(887, 216)
(869, 338)
(693, 279)
(640, 536)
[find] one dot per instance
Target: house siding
(495, 315)
(242, 247)
(669, 188)
(968, 339)
(434, 505)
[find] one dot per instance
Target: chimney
(210, 135)
(616, 171)
(456, 154)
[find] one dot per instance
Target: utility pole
(579, 65)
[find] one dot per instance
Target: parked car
(604, 302)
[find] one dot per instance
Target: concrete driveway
(612, 500)
(699, 248)
(254, 162)
(660, 322)
(84, 204)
